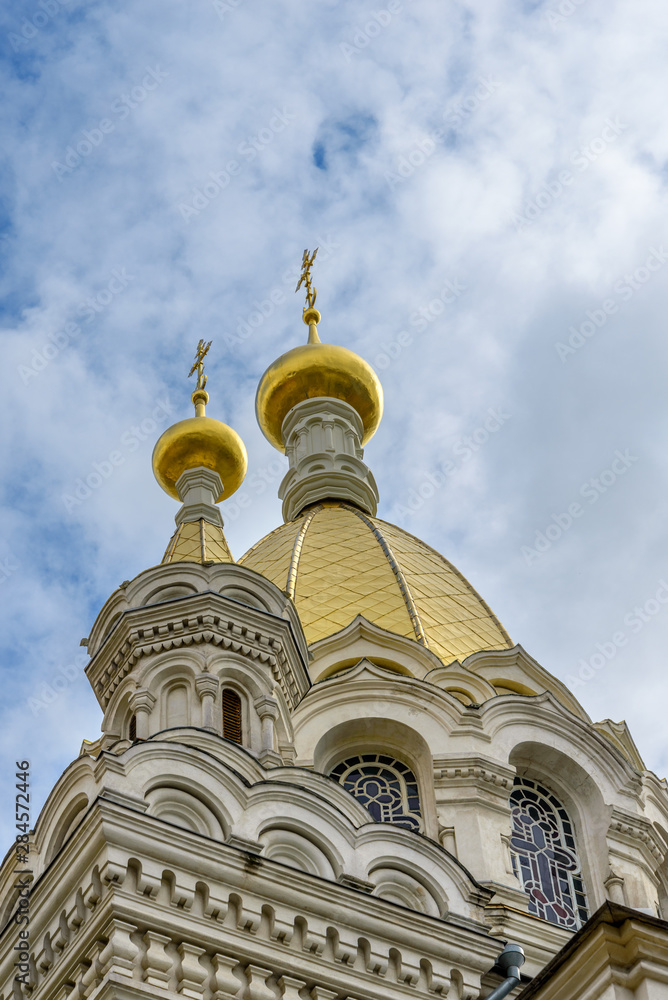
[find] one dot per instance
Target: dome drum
(323, 445)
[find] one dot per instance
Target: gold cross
(305, 279)
(202, 351)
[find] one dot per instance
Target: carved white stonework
(324, 447)
(199, 489)
(186, 864)
(207, 687)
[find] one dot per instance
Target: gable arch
(70, 818)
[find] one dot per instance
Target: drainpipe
(509, 961)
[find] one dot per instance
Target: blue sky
(487, 183)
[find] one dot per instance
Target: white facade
(186, 863)
(274, 818)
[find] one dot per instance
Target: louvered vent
(231, 715)
(132, 732)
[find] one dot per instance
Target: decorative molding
(323, 443)
(198, 489)
(638, 832)
(468, 769)
(192, 621)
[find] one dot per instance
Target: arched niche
(117, 717)
(185, 809)
(168, 592)
(292, 848)
(382, 736)
(584, 803)
(176, 705)
(398, 885)
(245, 596)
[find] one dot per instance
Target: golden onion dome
(348, 563)
(200, 440)
(314, 370)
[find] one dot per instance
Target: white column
(207, 686)
(267, 709)
(141, 704)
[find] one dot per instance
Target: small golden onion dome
(312, 370)
(200, 440)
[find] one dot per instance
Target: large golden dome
(337, 563)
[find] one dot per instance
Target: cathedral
(326, 771)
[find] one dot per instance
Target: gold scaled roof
(198, 541)
(336, 563)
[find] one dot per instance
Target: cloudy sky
(487, 184)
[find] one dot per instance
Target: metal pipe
(510, 960)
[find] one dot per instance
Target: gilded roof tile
(198, 541)
(346, 564)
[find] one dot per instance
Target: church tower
(325, 769)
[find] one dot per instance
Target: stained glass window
(387, 787)
(544, 855)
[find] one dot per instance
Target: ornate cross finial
(305, 279)
(202, 350)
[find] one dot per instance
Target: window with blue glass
(544, 855)
(386, 786)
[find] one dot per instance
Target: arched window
(544, 855)
(384, 785)
(231, 715)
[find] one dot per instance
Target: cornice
(206, 617)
